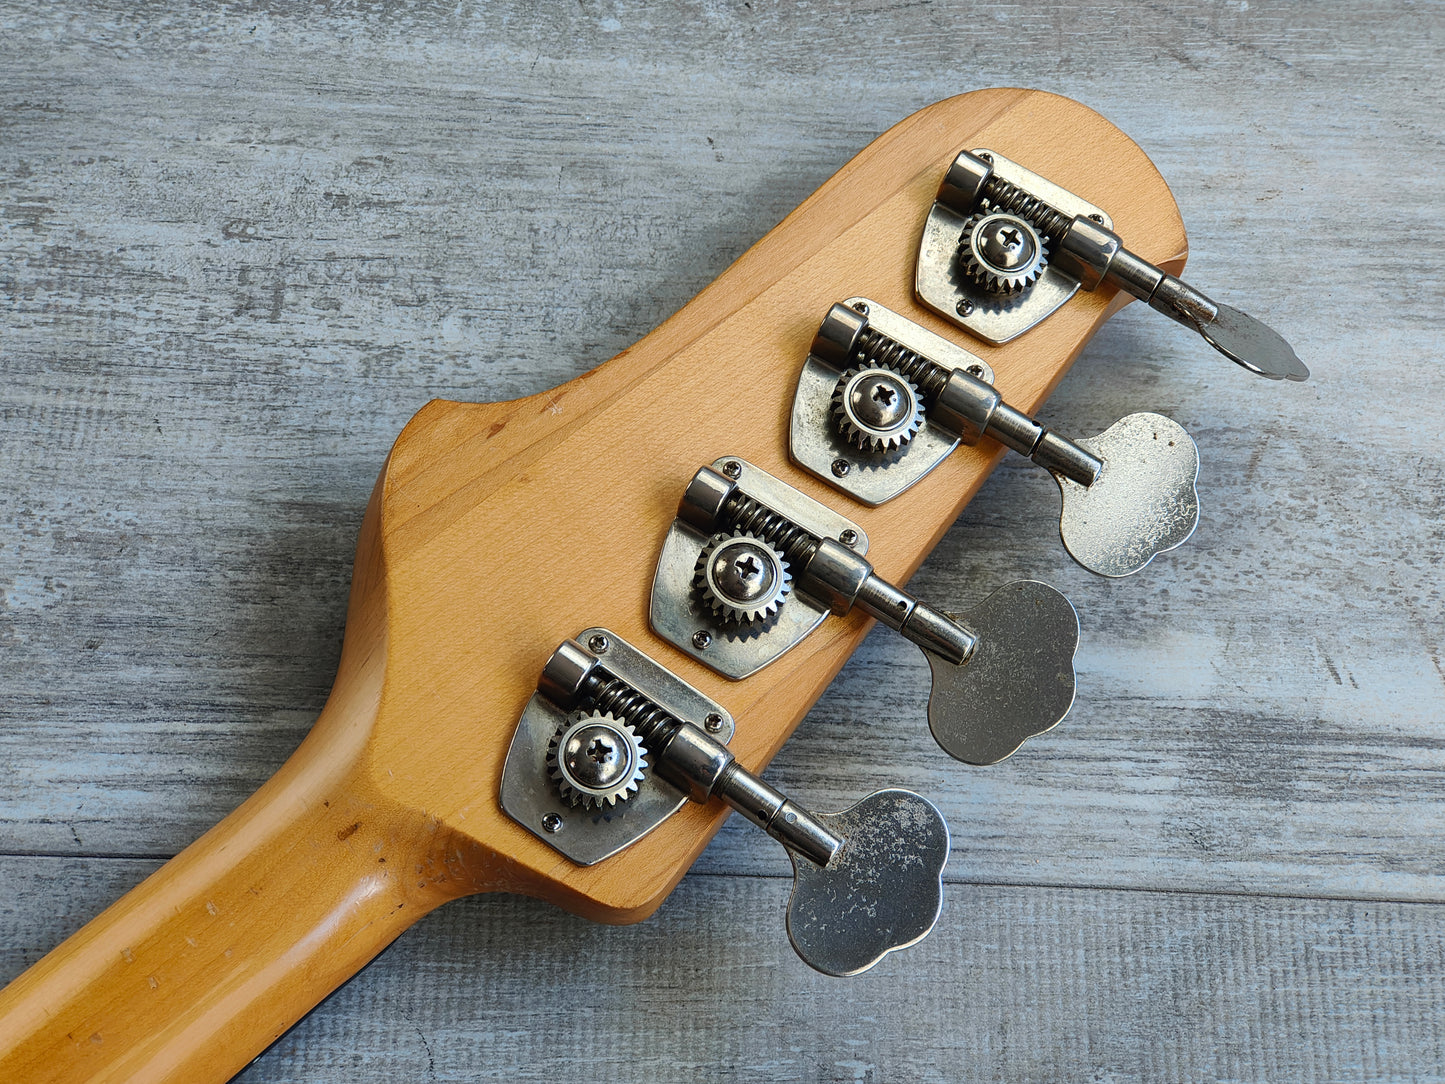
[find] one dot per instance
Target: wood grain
(241, 249)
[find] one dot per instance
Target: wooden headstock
(495, 532)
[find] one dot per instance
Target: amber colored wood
(498, 530)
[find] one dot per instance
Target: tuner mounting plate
(992, 317)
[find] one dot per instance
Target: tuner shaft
(707, 769)
(828, 570)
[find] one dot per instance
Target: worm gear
(596, 760)
(1002, 253)
(877, 409)
(742, 578)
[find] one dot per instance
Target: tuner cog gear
(1002, 253)
(596, 760)
(877, 409)
(742, 578)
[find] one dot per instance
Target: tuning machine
(612, 744)
(1003, 248)
(881, 402)
(750, 566)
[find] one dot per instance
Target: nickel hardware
(1003, 248)
(611, 744)
(750, 566)
(879, 405)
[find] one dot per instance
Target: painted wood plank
(240, 248)
(236, 267)
(1018, 983)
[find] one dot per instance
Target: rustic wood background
(241, 247)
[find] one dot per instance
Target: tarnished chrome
(833, 577)
(596, 761)
(1142, 503)
(1019, 681)
(1256, 346)
(816, 441)
(882, 891)
(877, 410)
(742, 579)
(1002, 253)
(867, 881)
(829, 575)
(682, 615)
(566, 692)
(1115, 517)
(955, 266)
(941, 281)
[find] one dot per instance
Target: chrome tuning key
(882, 401)
(1004, 247)
(750, 566)
(610, 735)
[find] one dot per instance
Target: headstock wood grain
(496, 531)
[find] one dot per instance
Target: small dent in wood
(347, 832)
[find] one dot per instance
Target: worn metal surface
(1018, 683)
(943, 287)
(1141, 504)
(239, 248)
(880, 892)
(531, 796)
(817, 444)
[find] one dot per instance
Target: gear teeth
(729, 612)
(989, 277)
(622, 790)
(867, 439)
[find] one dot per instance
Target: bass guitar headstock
(504, 528)
(582, 622)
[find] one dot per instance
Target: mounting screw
(713, 723)
(597, 644)
(701, 639)
(849, 537)
(986, 156)
(964, 306)
(1096, 217)
(861, 308)
(975, 370)
(732, 468)
(551, 823)
(841, 467)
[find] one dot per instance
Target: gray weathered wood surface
(239, 248)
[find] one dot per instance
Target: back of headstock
(507, 528)
(499, 531)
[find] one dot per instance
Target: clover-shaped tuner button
(1142, 501)
(882, 890)
(1017, 682)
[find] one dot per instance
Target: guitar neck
(203, 965)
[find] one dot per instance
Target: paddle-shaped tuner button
(882, 890)
(1142, 500)
(1017, 682)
